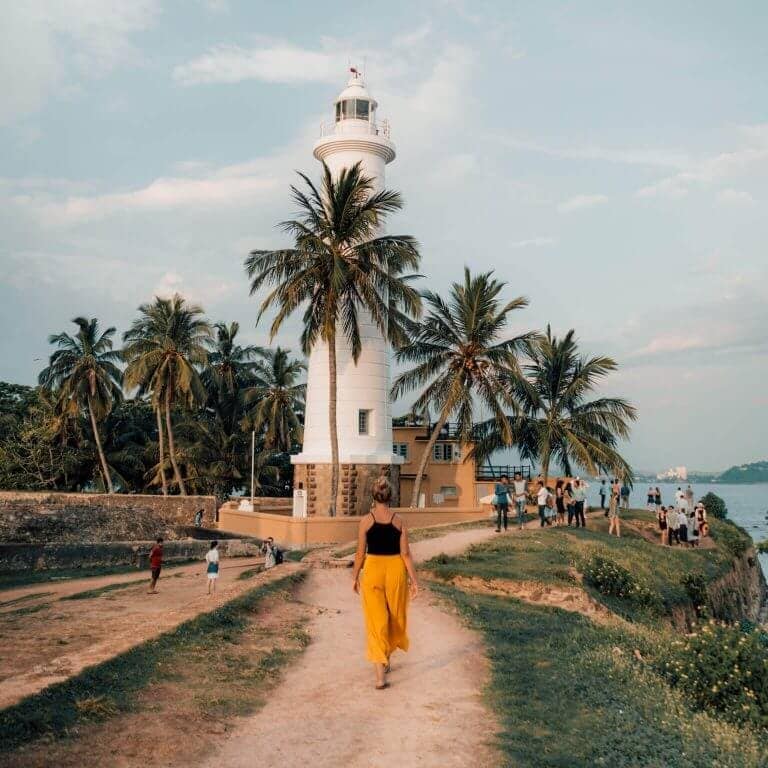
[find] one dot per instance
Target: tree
(715, 506)
(83, 373)
(231, 369)
(460, 356)
(339, 268)
(277, 401)
(163, 347)
(556, 420)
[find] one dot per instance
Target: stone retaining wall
(23, 557)
(40, 518)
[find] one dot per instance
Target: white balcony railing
(353, 127)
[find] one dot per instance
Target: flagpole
(253, 457)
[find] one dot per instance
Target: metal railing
(372, 128)
(495, 471)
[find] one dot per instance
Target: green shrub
(715, 506)
(731, 537)
(722, 668)
(695, 585)
(614, 580)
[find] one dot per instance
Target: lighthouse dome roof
(356, 90)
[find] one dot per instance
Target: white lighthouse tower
(363, 407)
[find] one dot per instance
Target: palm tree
(279, 399)
(83, 373)
(460, 357)
(230, 370)
(339, 267)
(163, 347)
(556, 420)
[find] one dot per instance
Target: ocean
(747, 504)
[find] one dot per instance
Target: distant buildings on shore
(674, 473)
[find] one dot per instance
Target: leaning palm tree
(162, 348)
(231, 369)
(339, 269)
(277, 401)
(461, 358)
(84, 375)
(556, 420)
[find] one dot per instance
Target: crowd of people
(683, 522)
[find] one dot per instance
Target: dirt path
(325, 712)
(45, 640)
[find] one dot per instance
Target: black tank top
(383, 538)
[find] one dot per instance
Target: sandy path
(65, 636)
(325, 712)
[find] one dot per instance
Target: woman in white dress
(212, 569)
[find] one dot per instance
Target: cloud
(273, 62)
(750, 161)
(534, 242)
(580, 202)
(735, 197)
(50, 47)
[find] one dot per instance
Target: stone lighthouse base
(355, 484)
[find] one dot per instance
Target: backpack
(278, 556)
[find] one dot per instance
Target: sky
(609, 160)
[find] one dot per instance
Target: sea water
(747, 504)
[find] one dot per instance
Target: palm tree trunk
(425, 457)
(171, 446)
(102, 458)
(161, 448)
(332, 423)
(545, 466)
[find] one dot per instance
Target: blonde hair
(382, 490)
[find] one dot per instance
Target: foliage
(613, 580)
(756, 472)
(715, 506)
(721, 668)
(555, 418)
(461, 360)
(732, 537)
(695, 584)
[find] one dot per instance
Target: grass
(10, 580)
(554, 555)
(24, 598)
(249, 573)
(570, 693)
(113, 687)
(296, 555)
(99, 591)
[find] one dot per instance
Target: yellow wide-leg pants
(384, 589)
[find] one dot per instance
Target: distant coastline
(740, 474)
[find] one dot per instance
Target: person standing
(542, 496)
(689, 498)
(674, 525)
(682, 526)
(521, 494)
(657, 497)
(212, 567)
(679, 499)
(614, 510)
(651, 501)
(155, 564)
(579, 497)
(568, 501)
(559, 503)
(661, 516)
(604, 491)
(384, 558)
(501, 491)
(625, 495)
(270, 555)
(701, 518)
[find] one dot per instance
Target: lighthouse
(364, 416)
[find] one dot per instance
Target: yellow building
(451, 478)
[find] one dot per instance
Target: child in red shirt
(155, 564)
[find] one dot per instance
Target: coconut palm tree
(556, 420)
(162, 348)
(461, 359)
(230, 370)
(277, 400)
(84, 375)
(338, 268)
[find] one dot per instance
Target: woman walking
(661, 516)
(569, 502)
(382, 546)
(614, 525)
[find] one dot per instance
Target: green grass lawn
(550, 556)
(570, 693)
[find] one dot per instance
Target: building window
(363, 422)
(400, 449)
(449, 491)
(361, 109)
(443, 452)
(338, 111)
